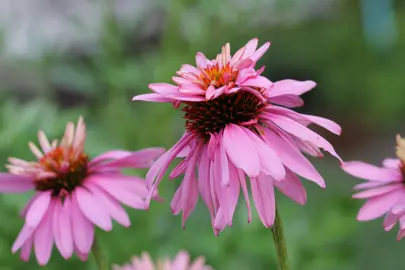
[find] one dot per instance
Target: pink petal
(158, 169)
(292, 158)
(179, 169)
(116, 183)
(23, 237)
(306, 119)
(222, 161)
(374, 192)
(304, 133)
(259, 81)
(250, 48)
(241, 150)
(164, 89)
(26, 250)
(290, 101)
(90, 206)
(176, 203)
(181, 261)
(243, 63)
(325, 123)
(370, 184)
(228, 196)
(212, 146)
(180, 80)
(38, 209)
(189, 191)
(201, 60)
(62, 228)
(152, 98)
(260, 52)
(191, 89)
(111, 205)
(242, 180)
(82, 228)
(245, 74)
(140, 159)
(204, 181)
(370, 172)
(292, 188)
(43, 239)
(189, 69)
(391, 163)
(263, 196)
(210, 92)
(378, 206)
(291, 87)
(13, 183)
(389, 221)
(269, 161)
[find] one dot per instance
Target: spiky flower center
(211, 116)
(217, 76)
(70, 172)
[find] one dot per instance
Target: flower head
(73, 193)
(235, 127)
(180, 262)
(384, 191)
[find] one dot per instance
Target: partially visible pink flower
(180, 262)
(73, 193)
(235, 127)
(384, 189)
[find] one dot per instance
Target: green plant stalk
(99, 256)
(279, 242)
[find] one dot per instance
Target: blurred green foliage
(359, 87)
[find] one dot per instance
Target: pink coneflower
(73, 193)
(180, 262)
(384, 191)
(234, 128)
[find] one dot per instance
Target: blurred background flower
(61, 59)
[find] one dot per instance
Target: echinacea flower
(235, 127)
(384, 191)
(180, 262)
(73, 193)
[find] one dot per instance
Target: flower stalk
(280, 243)
(99, 256)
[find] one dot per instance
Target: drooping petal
(241, 150)
(290, 101)
(269, 161)
(374, 192)
(23, 237)
(111, 205)
(152, 98)
(82, 228)
(13, 183)
(391, 163)
(263, 196)
(292, 188)
(43, 237)
(304, 133)
(293, 87)
(38, 209)
(259, 81)
(62, 228)
(89, 204)
(292, 158)
(260, 52)
(370, 172)
(378, 206)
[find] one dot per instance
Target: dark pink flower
(180, 262)
(73, 193)
(235, 127)
(384, 191)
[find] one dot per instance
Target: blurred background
(61, 59)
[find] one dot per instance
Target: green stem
(99, 255)
(279, 242)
